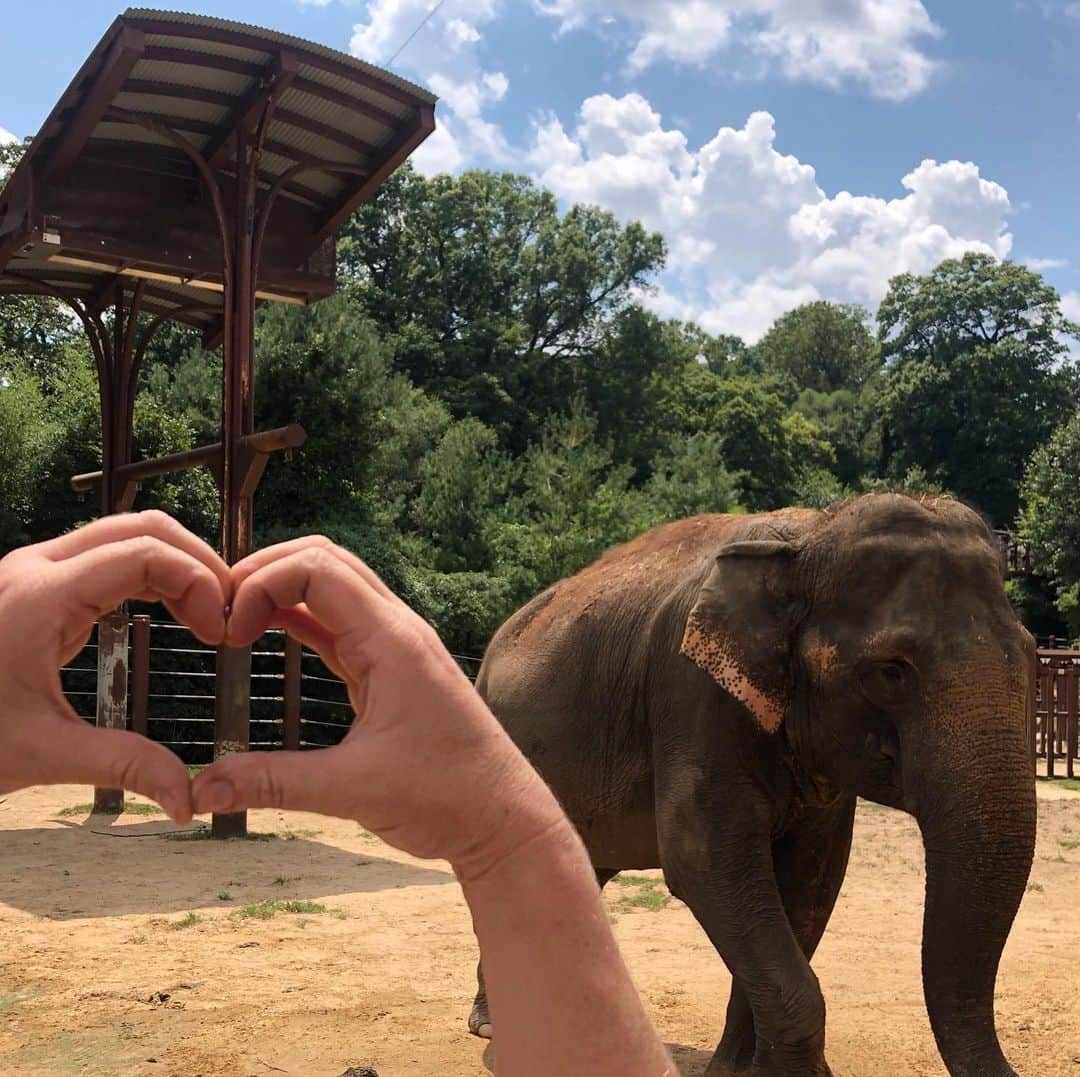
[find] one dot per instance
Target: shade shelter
(193, 168)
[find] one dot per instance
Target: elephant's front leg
(721, 864)
(810, 862)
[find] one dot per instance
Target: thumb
(298, 781)
(77, 753)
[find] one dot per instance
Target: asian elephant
(711, 699)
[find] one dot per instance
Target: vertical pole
(112, 692)
(112, 686)
(1051, 720)
(291, 732)
(140, 674)
(1030, 717)
(1071, 705)
(232, 717)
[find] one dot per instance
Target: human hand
(425, 765)
(50, 596)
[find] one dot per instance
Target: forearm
(561, 999)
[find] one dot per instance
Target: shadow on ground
(690, 1061)
(82, 870)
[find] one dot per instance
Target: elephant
(712, 698)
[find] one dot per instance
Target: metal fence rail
(296, 702)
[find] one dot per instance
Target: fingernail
(217, 796)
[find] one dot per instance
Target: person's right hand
(425, 765)
(50, 596)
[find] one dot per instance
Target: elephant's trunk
(975, 803)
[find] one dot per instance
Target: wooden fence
(1053, 713)
(296, 702)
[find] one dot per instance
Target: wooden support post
(1031, 714)
(140, 674)
(1071, 705)
(112, 692)
(293, 676)
(232, 724)
(1050, 729)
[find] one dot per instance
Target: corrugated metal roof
(285, 39)
(198, 74)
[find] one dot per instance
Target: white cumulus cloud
(1042, 264)
(750, 230)
(877, 44)
(443, 55)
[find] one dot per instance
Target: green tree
(760, 440)
(823, 347)
(1050, 516)
(486, 295)
(464, 480)
(978, 376)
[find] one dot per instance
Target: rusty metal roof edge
(278, 37)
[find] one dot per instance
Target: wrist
(523, 826)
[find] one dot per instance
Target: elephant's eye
(890, 683)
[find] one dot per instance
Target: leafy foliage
(489, 406)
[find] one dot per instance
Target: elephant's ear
(740, 627)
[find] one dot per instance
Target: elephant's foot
(728, 1064)
(480, 1018)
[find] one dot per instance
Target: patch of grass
(194, 772)
(204, 833)
(1035, 888)
(1069, 843)
(340, 914)
(292, 835)
(637, 880)
(653, 900)
(1072, 784)
(270, 907)
(131, 807)
(224, 895)
(136, 940)
(186, 921)
(650, 893)
(10, 999)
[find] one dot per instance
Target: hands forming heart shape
(425, 765)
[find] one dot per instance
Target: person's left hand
(50, 596)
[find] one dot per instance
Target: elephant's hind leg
(480, 1015)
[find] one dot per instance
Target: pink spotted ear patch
(711, 653)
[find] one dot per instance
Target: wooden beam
(168, 55)
(275, 80)
(103, 292)
(127, 50)
(395, 155)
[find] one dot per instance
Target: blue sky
(788, 149)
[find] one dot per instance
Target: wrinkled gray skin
(712, 698)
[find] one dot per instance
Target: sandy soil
(124, 952)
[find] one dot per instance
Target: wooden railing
(1054, 713)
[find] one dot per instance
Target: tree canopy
(490, 403)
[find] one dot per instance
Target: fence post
(1071, 704)
(1031, 718)
(291, 733)
(112, 692)
(140, 673)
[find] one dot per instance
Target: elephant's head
(878, 640)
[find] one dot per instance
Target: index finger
(339, 599)
(128, 525)
(261, 558)
(144, 567)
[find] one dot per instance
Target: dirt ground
(125, 952)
